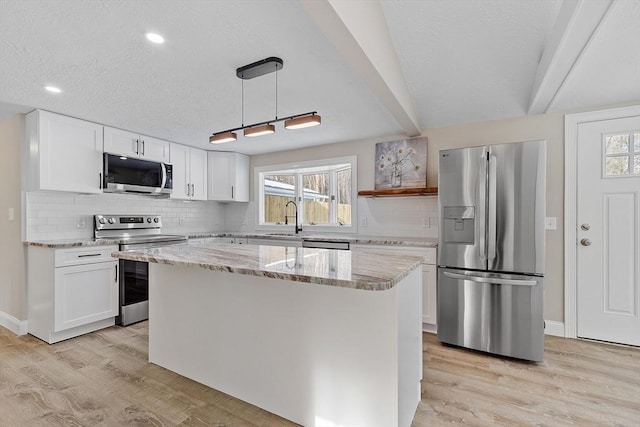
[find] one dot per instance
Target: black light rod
(266, 122)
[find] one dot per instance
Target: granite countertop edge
(355, 239)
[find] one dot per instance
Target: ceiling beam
(575, 26)
(359, 31)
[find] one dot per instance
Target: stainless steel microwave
(123, 174)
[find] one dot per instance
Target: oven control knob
(102, 221)
(149, 220)
(156, 220)
(112, 220)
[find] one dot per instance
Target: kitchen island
(321, 337)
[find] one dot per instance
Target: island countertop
(349, 269)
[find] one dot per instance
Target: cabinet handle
(232, 191)
(116, 279)
(143, 147)
(100, 180)
(193, 190)
(187, 191)
(88, 255)
(137, 146)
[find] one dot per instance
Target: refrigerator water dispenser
(459, 224)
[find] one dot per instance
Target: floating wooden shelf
(399, 192)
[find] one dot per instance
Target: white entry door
(608, 221)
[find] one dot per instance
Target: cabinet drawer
(84, 255)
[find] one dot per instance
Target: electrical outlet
(12, 214)
(180, 220)
(80, 222)
(550, 223)
(363, 222)
(426, 222)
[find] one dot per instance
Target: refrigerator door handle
(493, 280)
(491, 226)
(482, 206)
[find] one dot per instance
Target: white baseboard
(554, 328)
(18, 327)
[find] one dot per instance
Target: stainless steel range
(134, 232)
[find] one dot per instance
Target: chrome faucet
(286, 217)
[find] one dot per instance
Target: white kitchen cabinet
(63, 153)
(131, 144)
(189, 172)
(228, 176)
(72, 291)
(429, 277)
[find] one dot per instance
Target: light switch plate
(363, 222)
(550, 223)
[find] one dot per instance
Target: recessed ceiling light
(155, 38)
(53, 89)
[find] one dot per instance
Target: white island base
(317, 355)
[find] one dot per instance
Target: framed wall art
(401, 164)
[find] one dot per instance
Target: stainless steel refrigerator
(491, 248)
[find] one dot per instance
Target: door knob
(585, 227)
(585, 242)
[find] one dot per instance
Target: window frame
(299, 169)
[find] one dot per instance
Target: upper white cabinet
(228, 176)
(189, 172)
(63, 153)
(130, 144)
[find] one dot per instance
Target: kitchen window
(323, 192)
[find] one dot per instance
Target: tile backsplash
(70, 216)
(390, 216)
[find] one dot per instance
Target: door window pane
(343, 196)
(278, 190)
(316, 198)
(617, 165)
(636, 165)
(636, 143)
(615, 144)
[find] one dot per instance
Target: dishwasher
(326, 244)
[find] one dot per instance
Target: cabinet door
(154, 149)
(180, 160)
(118, 141)
(64, 141)
(429, 303)
(241, 178)
(198, 169)
(219, 176)
(84, 294)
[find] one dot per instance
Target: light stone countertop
(353, 239)
(72, 243)
(349, 269)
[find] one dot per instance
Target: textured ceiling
(463, 61)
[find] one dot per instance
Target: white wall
(12, 254)
(55, 215)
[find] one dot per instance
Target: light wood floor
(103, 379)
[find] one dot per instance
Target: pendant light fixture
(298, 121)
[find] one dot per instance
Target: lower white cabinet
(429, 277)
(71, 291)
